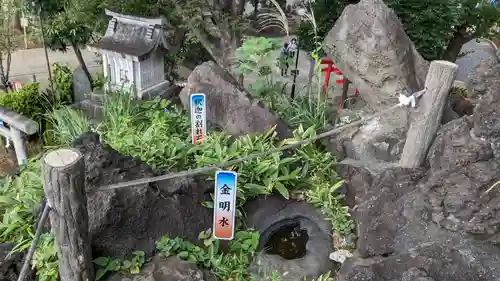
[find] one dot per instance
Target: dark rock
(476, 51)
(11, 264)
(433, 225)
(380, 212)
(229, 105)
(397, 236)
(427, 262)
(133, 218)
(484, 84)
(166, 269)
(482, 76)
(462, 169)
(455, 146)
(269, 214)
(486, 114)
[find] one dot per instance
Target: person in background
(283, 60)
(293, 47)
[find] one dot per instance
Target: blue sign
(198, 118)
(225, 205)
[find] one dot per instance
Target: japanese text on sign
(198, 118)
(225, 204)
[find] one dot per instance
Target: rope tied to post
(411, 99)
(211, 168)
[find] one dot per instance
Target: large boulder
(475, 51)
(229, 106)
(484, 85)
(482, 77)
(398, 239)
(369, 45)
(133, 218)
(439, 223)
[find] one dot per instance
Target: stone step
(97, 98)
(91, 109)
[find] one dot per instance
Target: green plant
(26, 102)
(230, 265)
(107, 264)
(261, 176)
(63, 84)
(323, 196)
(45, 259)
(257, 55)
(19, 201)
(98, 82)
(459, 91)
(67, 124)
(153, 131)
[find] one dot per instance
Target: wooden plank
(429, 112)
(64, 178)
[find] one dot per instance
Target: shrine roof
(135, 36)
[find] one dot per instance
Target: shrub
(63, 83)
(26, 102)
(67, 124)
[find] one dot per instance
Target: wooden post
(19, 146)
(426, 121)
(65, 192)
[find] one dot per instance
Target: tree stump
(64, 186)
(422, 130)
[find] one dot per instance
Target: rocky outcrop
(129, 219)
(484, 84)
(166, 269)
(482, 77)
(229, 106)
(369, 45)
(11, 264)
(438, 223)
(475, 51)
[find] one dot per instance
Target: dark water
(289, 242)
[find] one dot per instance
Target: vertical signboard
(7, 142)
(225, 205)
(198, 118)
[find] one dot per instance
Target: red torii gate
(328, 71)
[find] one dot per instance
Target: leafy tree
(326, 13)
(438, 28)
(71, 23)
(8, 41)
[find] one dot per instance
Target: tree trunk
(64, 186)
(80, 59)
(255, 9)
(459, 38)
(345, 91)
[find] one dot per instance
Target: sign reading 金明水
(198, 118)
(225, 204)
